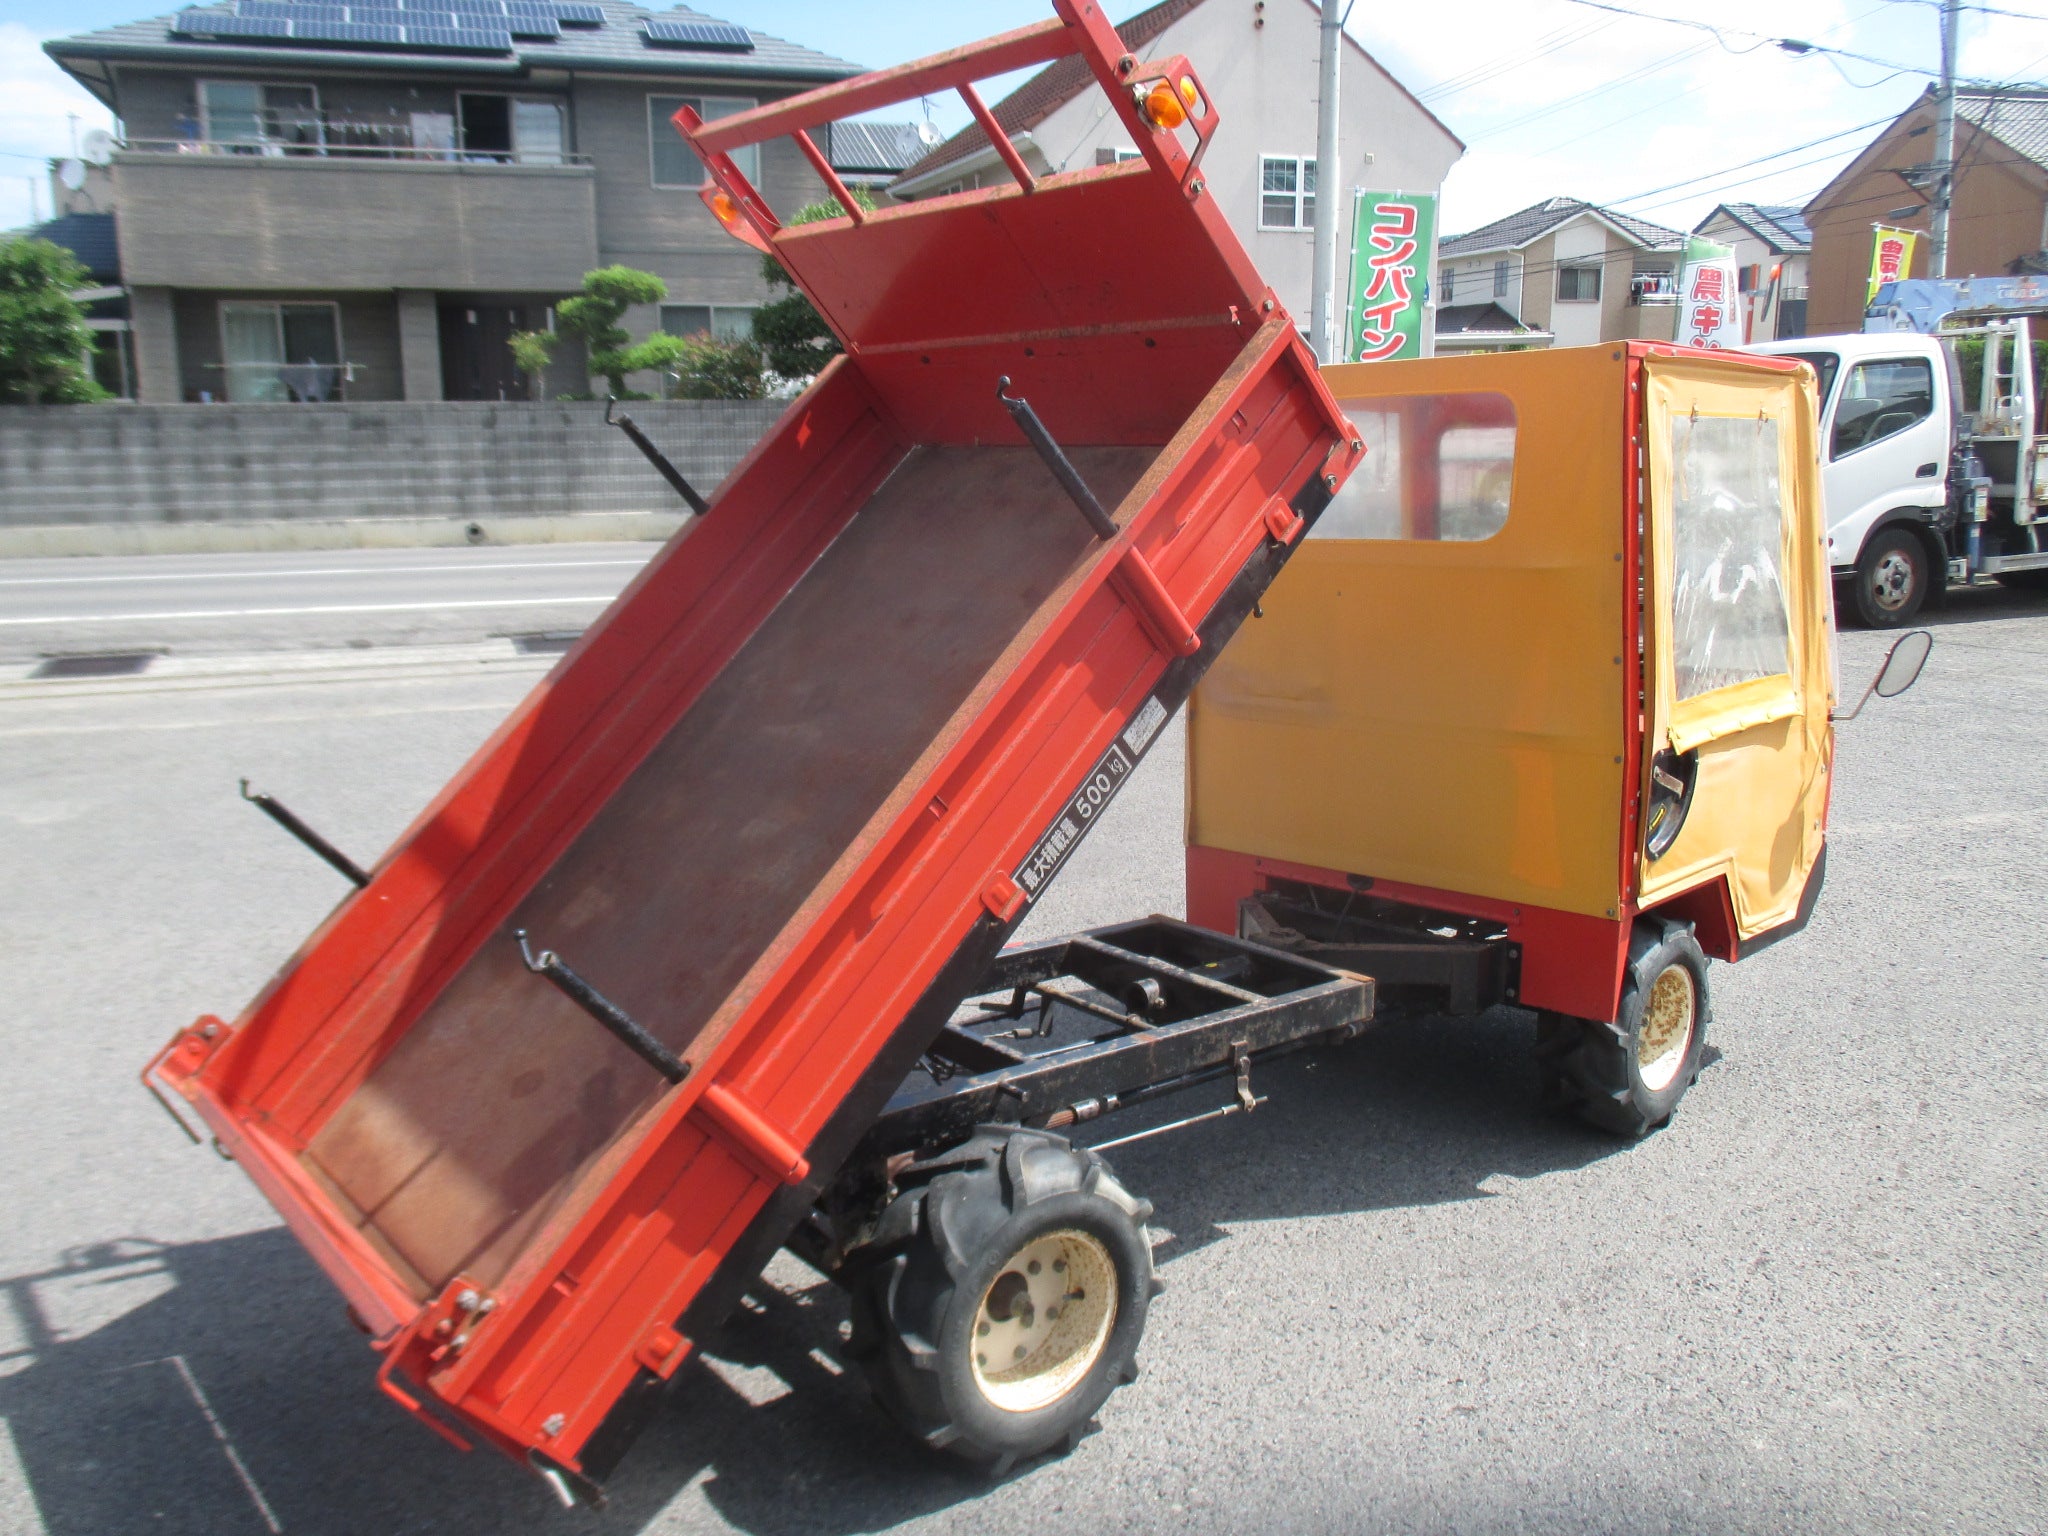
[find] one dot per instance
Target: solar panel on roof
(699, 34)
(532, 24)
(385, 16)
(348, 32)
(286, 10)
(220, 24)
(579, 13)
(460, 39)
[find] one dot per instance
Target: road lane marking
(242, 722)
(452, 568)
(283, 613)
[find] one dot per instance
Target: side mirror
(1901, 670)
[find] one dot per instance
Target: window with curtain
(281, 352)
(722, 322)
(670, 160)
(259, 118)
(1578, 284)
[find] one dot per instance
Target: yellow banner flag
(1891, 256)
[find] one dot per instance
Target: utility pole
(1322, 298)
(1944, 141)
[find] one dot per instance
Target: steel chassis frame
(1173, 1006)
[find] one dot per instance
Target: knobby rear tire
(938, 1280)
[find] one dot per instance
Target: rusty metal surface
(477, 1125)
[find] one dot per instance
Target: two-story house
(1567, 270)
(320, 200)
(1259, 58)
(1766, 238)
(1999, 220)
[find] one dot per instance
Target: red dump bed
(792, 791)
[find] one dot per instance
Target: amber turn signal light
(723, 205)
(1163, 108)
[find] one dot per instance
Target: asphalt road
(1400, 1297)
(217, 604)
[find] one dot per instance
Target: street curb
(335, 533)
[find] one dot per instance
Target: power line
(1634, 76)
(1792, 45)
(1501, 64)
(1594, 92)
(1759, 160)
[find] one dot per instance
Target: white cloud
(36, 102)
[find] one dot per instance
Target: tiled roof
(1454, 319)
(874, 147)
(89, 237)
(1059, 82)
(619, 43)
(2016, 117)
(1532, 223)
(1782, 229)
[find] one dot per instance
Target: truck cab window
(1437, 467)
(1880, 399)
(1826, 365)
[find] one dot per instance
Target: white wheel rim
(1044, 1321)
(1892, 581)
(1669, 1018)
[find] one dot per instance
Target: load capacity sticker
(1091, 799)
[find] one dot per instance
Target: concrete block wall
(251, 467)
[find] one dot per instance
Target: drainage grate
(97, 664)
(546, 642)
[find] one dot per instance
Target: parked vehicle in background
(1928, 480)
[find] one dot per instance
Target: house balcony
(201, 215)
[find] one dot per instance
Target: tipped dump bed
(712, 855)
(788, 796)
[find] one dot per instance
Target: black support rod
(305, 834)
(1061, 466)
(656, 457)
(601, 1008)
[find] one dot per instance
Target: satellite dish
(71, 174)
(97, 146)
(929, 135)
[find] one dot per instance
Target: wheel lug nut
(981, 1359)
(1031, 1268)
(982, 1330)
(1059, 1266)
(1020, 1352)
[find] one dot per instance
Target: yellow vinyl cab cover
(1738, 630)
(1437, 693)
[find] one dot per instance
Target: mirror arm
(1838, 716)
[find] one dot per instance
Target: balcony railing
(351, 141)
(1652, 288)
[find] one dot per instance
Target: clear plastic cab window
(1437, 467)
(1729, 619)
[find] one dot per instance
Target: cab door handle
(1927, 471)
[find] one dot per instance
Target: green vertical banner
(1393, 251)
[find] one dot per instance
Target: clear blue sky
(1551, 96)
